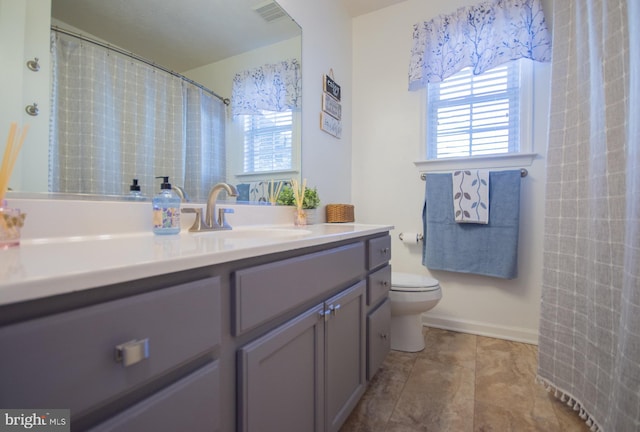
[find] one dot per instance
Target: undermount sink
(258, 233)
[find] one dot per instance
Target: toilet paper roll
(410, 238)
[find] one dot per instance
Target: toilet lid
(412, 282)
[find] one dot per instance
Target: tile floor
(461, 383)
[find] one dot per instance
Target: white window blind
(267, 142)
(473, 115)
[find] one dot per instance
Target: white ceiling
(193, 32)
(361, 7)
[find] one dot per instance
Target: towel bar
(523, 173)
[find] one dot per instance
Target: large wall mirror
(210, 42)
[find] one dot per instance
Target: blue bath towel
(491, 249)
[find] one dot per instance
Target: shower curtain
(589, 346)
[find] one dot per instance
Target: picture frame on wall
(331, 106)
(330, 125)
(331, 87)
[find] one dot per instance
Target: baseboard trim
(516, 334)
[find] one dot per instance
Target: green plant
(311, 199)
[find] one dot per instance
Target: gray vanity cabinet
(309, 373)
(378, 337)
(281, 377)
(197, 394)
(379, 307)
(141, 352)
(345, 334)
(283, 342)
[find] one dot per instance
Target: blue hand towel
(491, 249)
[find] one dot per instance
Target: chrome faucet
(210, 222)
(181, 193)
(211, 206)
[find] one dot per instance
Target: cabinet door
(345, 353)
(378, 337)
(281, 387)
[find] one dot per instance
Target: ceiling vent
(269, 11)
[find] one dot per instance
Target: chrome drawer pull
(132, 352)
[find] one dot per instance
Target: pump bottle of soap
(166, 210)
(134, 191)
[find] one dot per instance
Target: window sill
(268, 174)
(510, 160)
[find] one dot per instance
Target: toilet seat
(407, 282)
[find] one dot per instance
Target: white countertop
(45, 267)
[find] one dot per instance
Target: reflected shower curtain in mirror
(205, 164)
(115, 118)
(589, 345)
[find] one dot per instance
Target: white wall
(388, 137)
(24, 35)
(326, 44)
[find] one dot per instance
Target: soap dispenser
(134, 191)
(166, 210)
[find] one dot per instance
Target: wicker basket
(340, 213)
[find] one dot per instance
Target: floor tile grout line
(475, 384)
(404, 385)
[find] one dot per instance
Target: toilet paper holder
(418, 237)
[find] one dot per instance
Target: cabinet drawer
(378, 285)
(378, 337)
(68, 359)
(263, 292)
(379, 252)
(192, 404)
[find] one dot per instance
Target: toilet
(410, 295)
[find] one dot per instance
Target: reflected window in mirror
(265, 100)
(268, 142)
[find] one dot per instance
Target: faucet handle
(198, 223)
(222, 221)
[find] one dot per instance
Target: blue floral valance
(271, 87)
(481, 37)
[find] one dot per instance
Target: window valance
(271, 87)
(481, 37)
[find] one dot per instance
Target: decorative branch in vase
(11, 219)
(303, 198)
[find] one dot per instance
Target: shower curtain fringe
(571, 401)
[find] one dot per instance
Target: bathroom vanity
(263, 331)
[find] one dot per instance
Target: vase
(300, 217)
(11, 221)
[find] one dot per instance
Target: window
(268, 142)
(477, 115)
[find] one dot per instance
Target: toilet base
(406, 333)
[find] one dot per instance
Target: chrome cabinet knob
(132, 352)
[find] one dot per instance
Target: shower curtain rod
(226, 101)
(523, 173)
